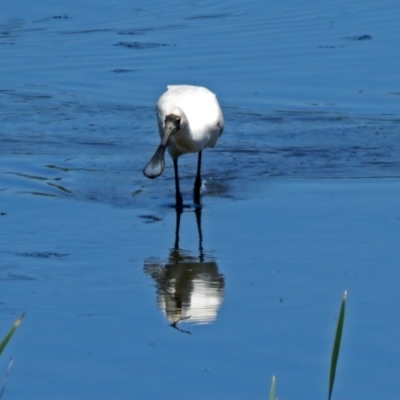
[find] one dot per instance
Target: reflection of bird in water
(189, 120)
(187, 286)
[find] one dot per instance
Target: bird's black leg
(179, 200)
(197, 182)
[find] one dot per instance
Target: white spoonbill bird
(189, 120)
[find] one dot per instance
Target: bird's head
(172, 124)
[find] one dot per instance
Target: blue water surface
(300, 200)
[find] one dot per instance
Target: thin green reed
(336, 345)
(10, 334)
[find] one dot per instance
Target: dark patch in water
(122, 70)
(141, 45)
(96, 143)
(64, 16)
(359, 37)
(150, 218)
(14, 277)
(57, 17)
(41, 96)
(210, 16)
(136, 192)
(59, 168)
(131, 32)
(42, 254)
(59, 187)
(217, 188)
(329, 47)
(142, 31)
(86, 31)
(100, 149)
(39, 194)
(40, 178)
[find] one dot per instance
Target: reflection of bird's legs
(179, 200)
(198, 221)
(174, 325)
(197, 182)
(177, 227)
(197, 212)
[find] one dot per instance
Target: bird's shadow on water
(189, 287)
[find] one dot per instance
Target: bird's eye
(177, 119)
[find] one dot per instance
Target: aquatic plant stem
(11, 332)
(272, 391)
(336, 345)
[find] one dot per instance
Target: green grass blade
(9, 335)
(336, 345)
(272, 391)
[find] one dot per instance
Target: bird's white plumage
(189, 120)
(201, 118)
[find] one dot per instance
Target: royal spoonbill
(189, 120)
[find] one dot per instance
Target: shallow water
(300, 200)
